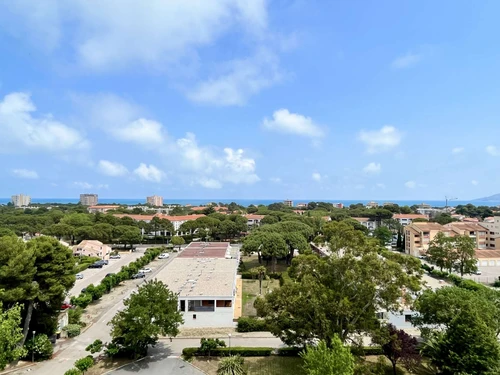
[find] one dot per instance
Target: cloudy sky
(250, 99)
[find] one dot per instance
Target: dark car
(109, 274)
(139, 275)
(96, 265)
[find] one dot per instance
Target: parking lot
(95, 275)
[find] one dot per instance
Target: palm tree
(232, 365)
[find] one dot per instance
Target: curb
(126, 364)
(193, 366)
(18, 368)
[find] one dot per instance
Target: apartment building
(89, 199)
(418, 236)
(492, 224)
(155, 201)
(101, 208)
(407, 219)
(176, 221)
(372, 205)
(476, 231)
(288, 203)
(21, 200)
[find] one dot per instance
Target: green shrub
(289, 351)
(188, 353)
(225, 352)
(41, 347)
(83, 364)
(496, 284)
(81, 267)
(75, 315)
(73, 371)
(73, 330)
(362, 351)
(251, 324)
(82, 301)
(247, 275)
(274, 275)
(285, 278)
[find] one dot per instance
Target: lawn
(251, 291)
(273, 365)
(253, 261)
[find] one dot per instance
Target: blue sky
(250, 99)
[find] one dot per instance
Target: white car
(145, 270)
(164, 256)
(79, 276)
(115, 256)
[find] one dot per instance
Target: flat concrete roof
(205, 250)
(198, 277)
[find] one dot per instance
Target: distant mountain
(492, 198)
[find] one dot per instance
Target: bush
(82, 301)
(41, 347)
(247, 275)
(289, 352)
(285, 278)
(496, 284)
(225, 352)
(251, 324)
(75, 315)
(73, 330)
(83, 364)
(73, 371)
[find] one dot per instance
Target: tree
(95, 347)
(398, 346)
(11, 334)
(207, 345)
(128, 235)
(85, 363)
(335, 359)
(228, 229)
(465, 254)
(444, 218)
(177, 241)
(73, 371)
(150, 312)
(383, 234)
(252, 209)
(269, 244)
(441, 251)
(59, 230)
(232, 365)
(269, 219)
(460, 328)
(208, 210)
(338, 295)
(399, 241)
(260, 272)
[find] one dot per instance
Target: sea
(248, 202)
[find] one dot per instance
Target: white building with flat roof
(21, 200)
(205, 281)
(155, 201)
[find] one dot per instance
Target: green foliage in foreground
(335, 360)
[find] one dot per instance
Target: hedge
(226, 352)
(251, 324)
(289, 351)
(73, 330)
(366, 350)
(93, 293)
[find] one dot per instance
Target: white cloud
(372, 168)
(83, 185)
(316, 176)
(25, 173)
(411, 184)
(474, 182)
(406, 60)
(384, 139)
(457, 150)
(294, 123)
(110, 168)
(19, 130)
(232, 167)
(239, 80)
(210, 183)
(149, 173)
(141, 131)
(492, 150)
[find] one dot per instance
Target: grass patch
(253, 261)
(273, 365)
(250, 291)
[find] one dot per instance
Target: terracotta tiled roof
(410, 216)
(255, 217)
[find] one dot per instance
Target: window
(183, 305)
(224, 303)
(194, 316)
(201, 305)
(407, 318)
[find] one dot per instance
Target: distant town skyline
(334, 100)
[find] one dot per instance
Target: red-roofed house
(254, 220)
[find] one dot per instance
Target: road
(65, 359)
(95, 275)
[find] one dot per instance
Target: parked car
(115, 256)
(164, 256)
(96, 265)
(477, 272)
(79, 276)
(145, 270)
(105, 262)
(65, 306)
(139, 275)
(109, 274)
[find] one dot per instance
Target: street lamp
(33, 348)
(229, 336)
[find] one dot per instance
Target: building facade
(92, 248)
(371, 224)
(418, 236)
(407, 219)
(288, 203)
(102, 208)
(21, 200)
(155, 201)
(492, 224)
(89, 199)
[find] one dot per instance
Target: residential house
(407, 219)
(478, 232)
(371, 224)
(176, 221)
(92, 248)
(372, 205)
(253, 219)
(419, 235)
(288, 203)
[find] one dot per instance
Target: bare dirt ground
(205, 332)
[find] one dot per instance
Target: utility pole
(449, 199)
